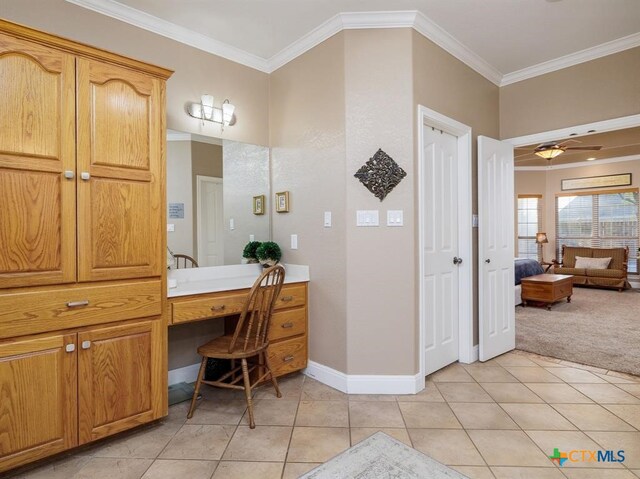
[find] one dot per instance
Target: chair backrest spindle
(253, 325)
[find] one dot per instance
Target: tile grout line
(293, 427)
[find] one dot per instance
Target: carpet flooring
(599, 328)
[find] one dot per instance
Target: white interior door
(210, 222)
(496, 248)
(440, 246)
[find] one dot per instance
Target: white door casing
(210, 221)
(496, 248)
(462, 223)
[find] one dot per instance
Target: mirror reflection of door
(210, 223)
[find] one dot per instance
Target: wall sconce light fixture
(205, 111)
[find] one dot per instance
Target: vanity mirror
(211, 186)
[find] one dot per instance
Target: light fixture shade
(227, 112)
(207, 106)
(541, 238)
(549, 153)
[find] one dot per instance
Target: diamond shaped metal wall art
(380, 174)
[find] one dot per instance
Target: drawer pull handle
(217, 308)
(287, 325)
(77, 304)
(287, 298)
(287, 359)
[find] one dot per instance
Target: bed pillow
(592, 263)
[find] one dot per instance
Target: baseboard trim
(475, 353)
(365, 383)
(187, 374)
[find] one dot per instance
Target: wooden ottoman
(547, 288)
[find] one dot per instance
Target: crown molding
(400, 19)
(173, 135)
(588, 54)
(578, 130)
(305, 43)
(427, 28)
(579, 164)
(350, 21)
(170, 30)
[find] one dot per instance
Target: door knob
(487, 261)
(457, 260)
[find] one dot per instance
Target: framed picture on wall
(282, 202)
(258, 205)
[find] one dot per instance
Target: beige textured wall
(550, 185)
(446, 85)
(597, 90)
(381, 268)
(179, 191)
(308, 160)
(206, 160)
(196, 72)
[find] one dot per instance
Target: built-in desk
(221, 291)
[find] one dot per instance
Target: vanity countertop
(226, 278)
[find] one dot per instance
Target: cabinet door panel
(121, 376)
(119, 147)
(37, 145)
(38, 399)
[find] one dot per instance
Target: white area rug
(382, 457)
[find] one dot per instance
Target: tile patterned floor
(499, 419)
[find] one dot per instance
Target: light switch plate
(395, 218)
(252, 237)
(294, 241)
(171, 227)
(232, 224)
(367, 218)
(327, 219)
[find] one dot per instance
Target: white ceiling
(509, 35)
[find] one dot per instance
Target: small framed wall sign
(596, 182)
(258, 205)
(282, 202)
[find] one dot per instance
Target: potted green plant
(249, 251)
(268, 253)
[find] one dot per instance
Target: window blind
(600, 220)
(529, 216)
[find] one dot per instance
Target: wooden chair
(250, 339)
(187, 261)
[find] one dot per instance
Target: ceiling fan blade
(594, 147)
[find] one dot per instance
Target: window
(599, 220)
(529, 216)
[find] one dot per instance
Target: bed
(524, 267)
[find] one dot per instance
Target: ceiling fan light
(549, 153)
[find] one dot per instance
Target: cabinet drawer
(50, 310)
(288, 356)
(291, 296)
(211, 307)
(288, 323)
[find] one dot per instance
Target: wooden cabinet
(287, 351)
(81, 244)
(119, 142)
(37, 147)
(120, 369)
(38, 398)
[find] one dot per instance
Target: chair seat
(606, 273)
(219, 348)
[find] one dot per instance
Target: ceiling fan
(551, 149)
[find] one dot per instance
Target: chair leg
(247, 392)
(203, 366)
(273, 378)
